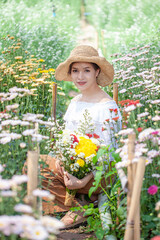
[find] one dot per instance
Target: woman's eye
(74, 70)
(87, 70)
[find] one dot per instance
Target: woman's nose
(80, 75)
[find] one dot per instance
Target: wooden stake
(32, 172)
(129, 233)
(131, 149)
(54, 98)
(115, 92)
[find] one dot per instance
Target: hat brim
(104, 78)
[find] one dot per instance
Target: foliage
(123, 24)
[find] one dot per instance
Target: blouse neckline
(93, 102)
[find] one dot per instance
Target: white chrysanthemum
(5, 184)
(125, 131)
(81, 155)
(5, 140)
(42, 193)
(156, 118)
(19, 179)
(130, 108)
(37, 232)
(95, 141)
(23, 208)
(8, 193)
(22, 145)
(145, 133)
(52, 224)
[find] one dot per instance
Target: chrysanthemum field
(33, 42)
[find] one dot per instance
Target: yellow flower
(81, 162)
(41, 60)
(86, 146)
(18, 57)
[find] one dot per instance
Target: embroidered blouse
(105, 116)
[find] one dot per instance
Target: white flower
(34, 231)
(42, 193)
(23, 208)
(156, 175)
(22, 145)
(122, 91)
(125, 131)
(4, 223)
(156, 118)
(5, 140)
(153, 153)
(81, 155)
(5, 184)
(145, 133)
(52, 224)
(142, 115)
(8, 193)
(130, 108)
(13, 106)
(95, 141)
(157, 101)
(28, 132)
(19, 179)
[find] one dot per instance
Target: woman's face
(84, 75)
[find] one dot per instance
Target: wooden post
(115, 92)
(129, 233)
(54, 98)
(32, 172)
(131, 149)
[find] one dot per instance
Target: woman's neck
(96, 95)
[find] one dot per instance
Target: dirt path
(88, 35)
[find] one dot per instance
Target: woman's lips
(81, 83)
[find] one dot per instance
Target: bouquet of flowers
(76, 152)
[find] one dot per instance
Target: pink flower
(152, 189)
(156, 238)
(155, 133)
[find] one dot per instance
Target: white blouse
(99, 113)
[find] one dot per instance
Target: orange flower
(116, 118)
(107, 120)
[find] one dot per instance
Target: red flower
(111, 109)
(115, 119)
(115, 110)
(139, 129)
(95, 135)
(75, 139)
(89, 135)
(152, 189)
(97, 148)
(72, 158)
(103, 129)
(107, 120)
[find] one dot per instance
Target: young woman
(89, 72)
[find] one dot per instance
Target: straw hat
(85, 53)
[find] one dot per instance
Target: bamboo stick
(129, 233)
(131, 149)
(54, 98)
(115, 92)
(32, 172)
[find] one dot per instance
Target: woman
(88, 71)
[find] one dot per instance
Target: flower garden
(33, 42)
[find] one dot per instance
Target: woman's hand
(72, 182)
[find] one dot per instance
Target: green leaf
(100, 233)
(116, 156)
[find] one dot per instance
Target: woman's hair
(95, 66)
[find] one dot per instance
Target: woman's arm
(72, 182)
